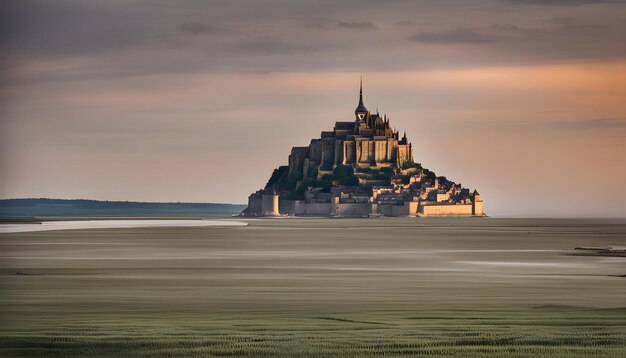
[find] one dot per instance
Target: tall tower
(361, 112)
(477, 204)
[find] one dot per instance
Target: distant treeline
(83, 207)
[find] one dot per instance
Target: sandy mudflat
(450, 283)
(112, 224)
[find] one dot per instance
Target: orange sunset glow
(524, 99)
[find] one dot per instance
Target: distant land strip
(33, 207)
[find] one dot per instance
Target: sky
(170, 100)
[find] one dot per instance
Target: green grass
(558, 335)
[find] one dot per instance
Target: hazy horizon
(187, 101)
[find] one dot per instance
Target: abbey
(366, 141)
(360, 168)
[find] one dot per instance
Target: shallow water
(316, 264)
(113, 224)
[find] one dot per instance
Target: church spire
(361, 91)
(360, 110)
(361, 105)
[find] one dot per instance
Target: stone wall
(385, 210)
(315, 150)
(260, 204)
(404, 154)
(410, 207)
(255, 203)
(287, 207)
(355, 209)
(380, 154)
(363, 153)
(312, 209)
(296, 162)
(392, 150)
(445, 210)
(395, 210)
(478, 206)
(349, 150)
(309, 169)
(328, 153)
(339, 153)
(269, 206)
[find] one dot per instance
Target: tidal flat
(305, 287)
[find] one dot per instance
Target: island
(362, 168)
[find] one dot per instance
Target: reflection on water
(112, 224)
(521, 264)
(311, 266)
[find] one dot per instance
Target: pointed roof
(361, 107)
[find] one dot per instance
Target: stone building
(360, 168)
(366, 141)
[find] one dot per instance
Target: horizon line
(122, 201)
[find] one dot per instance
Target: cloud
(404, 23)
(364, 25)
(573, 27)
(270, 45)
(562, 21)
(123, 39)
(36, 28)
(314, 26)
(455, 36)
(196, 28)
(513, 29)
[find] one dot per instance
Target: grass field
(316, 288)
